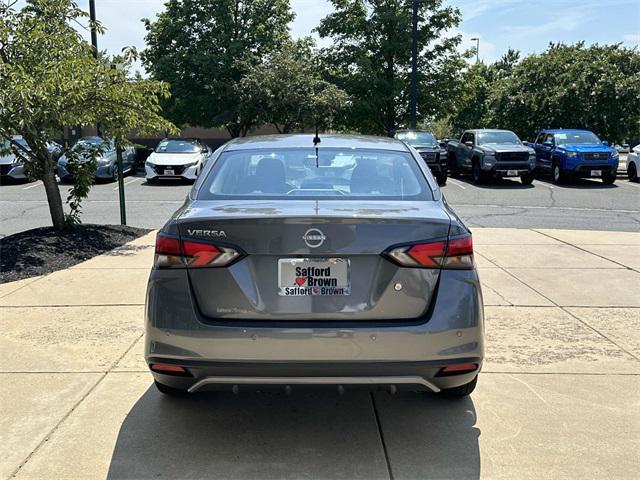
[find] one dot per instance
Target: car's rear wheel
(167, 390)
(608, 177)
(527, 178)
(461, 391)
(632, 172)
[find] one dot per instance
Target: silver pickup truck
(491, 154)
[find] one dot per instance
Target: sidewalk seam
(587, 251)
(73, 408)
(564, 309)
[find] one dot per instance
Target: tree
(49, 79)
(203, 48)
(572, 86)
(287, 90)
(479, 81)
(371, 60)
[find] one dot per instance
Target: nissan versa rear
(334, 263)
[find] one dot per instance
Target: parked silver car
(291, 265)
(11, 166)
(106, 168)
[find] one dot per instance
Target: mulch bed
(45, 250)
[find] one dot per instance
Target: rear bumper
(401, 375)
(452, 331)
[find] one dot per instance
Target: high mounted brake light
(174, 253)
(455, 253)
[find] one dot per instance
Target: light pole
(414, 64)
(94, 41)
(477, 40)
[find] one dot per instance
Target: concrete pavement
(559, 395)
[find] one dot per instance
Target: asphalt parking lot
(581, 204)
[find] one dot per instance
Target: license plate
(169, 172)
(302, 277)
(512, 173)
(596, 173)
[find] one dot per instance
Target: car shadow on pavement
(581, 183)
(496, 183)
(315, 434)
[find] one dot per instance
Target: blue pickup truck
(575, 153)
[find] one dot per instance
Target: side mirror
(469, 143)
(605, 143)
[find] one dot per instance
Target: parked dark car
(106, 161)
(429, 149)
(491, 154)
(575, 153)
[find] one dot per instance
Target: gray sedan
(106, 161)
(11, 166)
(290, 265)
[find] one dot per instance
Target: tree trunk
(53, 196)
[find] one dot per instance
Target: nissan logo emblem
(313, 238)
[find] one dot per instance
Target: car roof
(565, 130)
(306, 140)
(479, 130)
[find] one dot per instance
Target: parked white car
(633, 163)
(176, 158)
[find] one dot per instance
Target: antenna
(316, 142)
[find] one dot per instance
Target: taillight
(174, 253)
(168, 252)
(199, 255)
(455, 252)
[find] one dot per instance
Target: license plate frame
(169, 172)
(512, 173)
(596, 173)
(318, 282)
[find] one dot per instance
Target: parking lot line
(457, 184)
(133, 180)
(38, 183)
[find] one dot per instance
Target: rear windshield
(177, 146)
(334, 174)
(488, 138)
(417, 138)
(576, 138)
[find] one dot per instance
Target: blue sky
(525, 25)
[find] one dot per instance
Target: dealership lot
(582, 204)
(558, 396)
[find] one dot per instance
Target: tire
(608, 178)
(442, 179)
(461, 391)
(453, 168)
(171, 391)
(527, 178)
(556, 173)
(632, 172)
(152, 181)
(476, 173)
